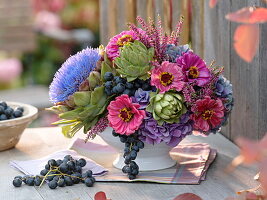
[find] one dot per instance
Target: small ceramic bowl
(11, 130)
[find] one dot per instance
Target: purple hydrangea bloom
(173, 51)
(141, 97)
(72, 73)
(172, 134)
(223, 87)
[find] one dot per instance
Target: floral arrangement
(145, 86)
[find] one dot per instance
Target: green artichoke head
(167, 107)
(134, 61)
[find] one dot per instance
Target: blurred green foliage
(40, 66)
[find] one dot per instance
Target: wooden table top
(38, 142)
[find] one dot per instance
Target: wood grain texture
(197, 27)
(212, 37)
(36, 143)
(263, 79)
(112, 18)
(16, 26)
(104, 28)
(245, 80)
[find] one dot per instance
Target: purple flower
(194, 68)
(223, 87)
(172, 134)
(141, 97)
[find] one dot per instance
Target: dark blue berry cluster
(60, 173)
(132, 147)
(6, 112)
(118, 85)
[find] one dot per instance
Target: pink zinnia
(194, 68)
(124, 116)
(125, 37)
(208, 113)
(168, 76)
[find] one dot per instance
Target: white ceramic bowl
(11, 130)
(152, 157)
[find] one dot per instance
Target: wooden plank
(244, 118)
(104, 36)
(167, 19)
(112, 18)
(122, 22)
(150, 7)
(141, 8)
(131, 11)
(36, 143)
(262, 78)
(197, 27)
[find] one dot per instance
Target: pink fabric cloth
(33, 167)
(194, 160)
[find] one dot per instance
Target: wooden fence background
(16, 26)
(211, 36)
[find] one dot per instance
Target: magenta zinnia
(194, 68)
(124, 38)
(168, 76)
(208, 113)
(124, 116)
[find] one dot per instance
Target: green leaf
(70, 130)
(58, 109)
(71, 115)
(88, 110)
(105, 68)
(97, 94)
(89, 125)
(64, 121)
(82, 98)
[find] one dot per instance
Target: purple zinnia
(72, 73)
(172, 134)
(141, 97)
(194, 68)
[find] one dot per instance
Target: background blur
(35, 38)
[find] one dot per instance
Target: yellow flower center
(166, 78)
(207, 114)
(193, 72)
(125, 39)
(125, 114)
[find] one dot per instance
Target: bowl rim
(33, 112)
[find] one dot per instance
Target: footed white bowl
(151, 157)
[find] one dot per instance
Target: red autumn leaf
(212, 3)
(248, 15)
(252, 151)
(187, 196)
(100, 196)
(246, 41)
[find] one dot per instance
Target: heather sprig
(155, 37)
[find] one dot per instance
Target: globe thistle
(74, 71)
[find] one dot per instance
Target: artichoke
(134, 61)
(167, 107)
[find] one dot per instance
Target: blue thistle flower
(72, 73)
(173, 51)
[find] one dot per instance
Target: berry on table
(52, 184)
(17, 182)
(88, 182)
